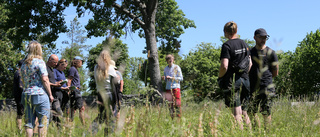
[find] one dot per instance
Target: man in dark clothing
(51, 64)
(74, 85)
(264, 68)
(17, 91)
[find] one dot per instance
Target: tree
(9, 58)
(118, 52)
(305, 73)
(200, 69)
(153, 19)
(76, 46)
(28, 19)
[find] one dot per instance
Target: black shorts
(76, 101)
(240, 95)
(262, 100)
(20, 108)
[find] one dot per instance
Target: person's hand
(163, 78)
(168, 77)
(58, 84)
(51, 98)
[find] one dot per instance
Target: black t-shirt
(17, 85)
(268, 56)
(235, 50)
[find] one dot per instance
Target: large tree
(153, 19)
(29, 18)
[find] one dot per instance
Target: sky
(287, 23)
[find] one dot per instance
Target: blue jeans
(36, 106)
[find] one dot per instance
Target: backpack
(243, 65)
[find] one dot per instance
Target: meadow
(208, 118)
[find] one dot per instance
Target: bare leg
(246, 119)
(29, 132)
(257, 120)
(238, 116)
(71, 114)
(168, 97)
(19, 123)
(41, 132)
(81, 115)
(267, 121)
(35, 129)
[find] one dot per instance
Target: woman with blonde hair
(233, 52)
(105, 77)
(36, 96)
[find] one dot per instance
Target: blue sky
(287, 23)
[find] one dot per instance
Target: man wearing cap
(264, 68)
(75, 95)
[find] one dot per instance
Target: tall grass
(204, 119)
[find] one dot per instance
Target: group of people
(42, 90)
(40, 87)
(251, 88)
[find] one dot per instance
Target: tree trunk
(154, 68)
(150, 34)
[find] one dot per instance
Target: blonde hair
(230, 28)
(103, 63)
(34, 50)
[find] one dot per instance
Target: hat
(113, 64)
(78, 58)
(261, 32)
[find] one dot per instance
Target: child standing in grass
(173, 76)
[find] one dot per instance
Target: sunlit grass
(204, 119)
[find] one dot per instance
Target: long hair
(34, 50)
(103, 63)
(230, 28)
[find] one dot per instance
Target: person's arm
(178, 75)
(250, 64)
(223, 67)
(121, 85)
(275, 70)
(275, 64)
(70, 78)
(46, 84)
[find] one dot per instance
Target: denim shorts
(36, 106)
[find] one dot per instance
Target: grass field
(205, 119)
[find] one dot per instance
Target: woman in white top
(105, 75)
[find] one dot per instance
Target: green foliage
(200, 70)
(305, 73)
(118, 52)
(28, 19)
(283, 81)
(132, 83)
(9, 58)
(8, 66)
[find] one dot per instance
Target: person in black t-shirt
(17, 92)
(264, 64)
(234, 51)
